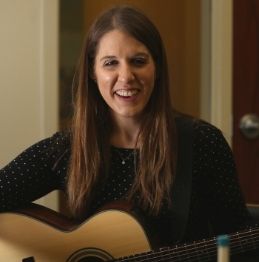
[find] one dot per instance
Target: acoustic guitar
(42, 235)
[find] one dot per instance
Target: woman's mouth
(126, 93)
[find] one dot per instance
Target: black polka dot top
(217, 205)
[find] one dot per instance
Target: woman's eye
(139, 61)
(110, 63)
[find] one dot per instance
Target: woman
(127, 143)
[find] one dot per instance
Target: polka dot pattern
(121, 176)
(34, 173)
(217, 204)
(216, 201)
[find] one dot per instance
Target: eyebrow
(107, 57)
(146, 55)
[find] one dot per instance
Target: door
(246, 95)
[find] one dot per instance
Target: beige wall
(29, 74)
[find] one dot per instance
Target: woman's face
(125, 73)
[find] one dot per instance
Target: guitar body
(106, 235)
(42, 235)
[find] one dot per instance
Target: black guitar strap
(182, 187)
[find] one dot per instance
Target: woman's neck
(125, 133)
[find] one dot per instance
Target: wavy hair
(91, 121)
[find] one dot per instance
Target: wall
(29, 78)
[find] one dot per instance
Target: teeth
(126, 92)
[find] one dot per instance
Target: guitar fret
(203, 250)
(187, 252)
(245, 241)
(239, 240)
(198, 251)
(176, 254)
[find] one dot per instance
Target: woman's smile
(126, 93)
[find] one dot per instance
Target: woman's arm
(218, 180)
(34, 173)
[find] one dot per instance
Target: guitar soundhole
(91, 259)
(89, 255)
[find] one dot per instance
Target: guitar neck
(202, 250)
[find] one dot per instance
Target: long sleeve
(33, 173)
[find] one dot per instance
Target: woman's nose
(126, 74)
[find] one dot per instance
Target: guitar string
(187, 257)
(165, 258)
(210, 247)
(201, 244)
(209, 253)
(236, 240)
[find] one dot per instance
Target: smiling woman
(125, 74)
(127, 143)
(123, 57)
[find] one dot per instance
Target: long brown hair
(90, 128)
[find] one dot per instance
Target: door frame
(216, 65)
(49, 80)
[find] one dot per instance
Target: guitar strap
(182, 187)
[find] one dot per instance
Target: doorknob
(249, 126)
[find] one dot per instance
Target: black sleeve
(218, 179)
(32, 174)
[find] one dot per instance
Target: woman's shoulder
(63, 137)
(60, 141)
(200, 128)
(56, 143)
(208, 134)
(210, 150)
(205, 136)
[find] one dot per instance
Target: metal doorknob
(249, 126)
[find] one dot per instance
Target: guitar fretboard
(203, 250)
